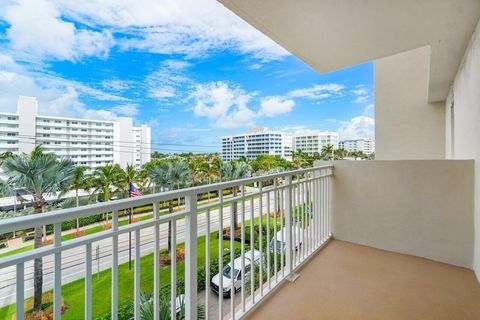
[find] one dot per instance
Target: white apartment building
(90, 143)
(366, 146)
(315, 141)
(256, 142)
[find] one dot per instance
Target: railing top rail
(58, 216)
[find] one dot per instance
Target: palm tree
(78, 182)
(216, 165)
(127, 178)
(231, 171)
(339, 154)
(105, 178)
(171, 176)
(38, 174)
(327, 152)
(197, 169)
(5, 155)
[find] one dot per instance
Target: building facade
(314, 142)
(256, 142)
(89, 143)
(366, 146)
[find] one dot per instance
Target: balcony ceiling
(332, 34)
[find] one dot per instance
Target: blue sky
(190, 69)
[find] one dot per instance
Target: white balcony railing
(287, 214)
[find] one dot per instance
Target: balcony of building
(356, 239)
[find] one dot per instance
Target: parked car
(282, 245)
(236, 274)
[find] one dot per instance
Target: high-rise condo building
(364, 145)
(314, 142)
(256, 142)
(90, 143)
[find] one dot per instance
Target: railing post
(57, 288)
(191, 257)
(288, 224)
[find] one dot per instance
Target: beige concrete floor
(350, 281)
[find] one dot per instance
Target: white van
(237, 274)
(282, 245)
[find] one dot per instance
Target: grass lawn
(73, 293)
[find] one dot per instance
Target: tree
(171, 175)
(232, 171)
(340, 154)
(302, 159)
(327, 152)
(38, 174)
(79, 181)
(105, 178)
(127, 178)
(266, 163)
(198, 170)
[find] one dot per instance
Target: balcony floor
(350, 281)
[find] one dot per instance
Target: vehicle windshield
(279, 244)
(227, 271)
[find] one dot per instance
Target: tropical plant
(171, 176)
(147, 312)
(79, 181)
(107, 180)
(39, 174)
(327, 152)
(231, 171)
(265, 163)
(340, 154)
(198, 169)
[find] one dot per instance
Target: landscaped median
(146, 210)
(73, 292)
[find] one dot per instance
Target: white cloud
(162, 92)
(189, 27)
(117, 85)
(56, 96)
(167, 79)
(273, 106)
(37, 30)
(317, 91)
(360, 92)
(361, 99)
(129, 109)
(358, 127)
(369, 110)
(225, 106)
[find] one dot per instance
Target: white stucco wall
(465, 126)
(406, 125)
(417, 207)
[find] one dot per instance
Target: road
(73, 260)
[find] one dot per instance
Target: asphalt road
(73, 260)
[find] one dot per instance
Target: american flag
(134, 191)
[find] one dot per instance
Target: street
(73, 260)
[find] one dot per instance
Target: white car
(282, 245)
(237, 274)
